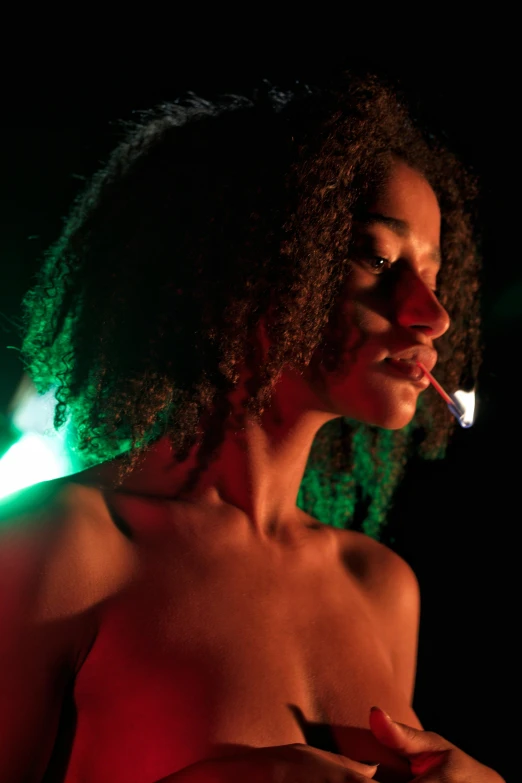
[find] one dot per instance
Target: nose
(419, 309)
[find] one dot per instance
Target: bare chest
(205, 653)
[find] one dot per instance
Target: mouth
(407, 369)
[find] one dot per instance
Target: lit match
(461, 404)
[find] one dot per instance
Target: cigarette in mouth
(461, 404)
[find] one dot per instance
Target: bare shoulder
(32, 522)
(55, 535)
(380, 571)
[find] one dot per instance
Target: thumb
(423, 749)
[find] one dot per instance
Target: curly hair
(209, 215)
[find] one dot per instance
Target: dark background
(453, 520)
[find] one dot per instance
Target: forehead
(407, 196)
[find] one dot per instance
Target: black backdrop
(453, 521)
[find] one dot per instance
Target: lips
(407, 368)
(415, 353)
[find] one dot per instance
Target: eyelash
(381, 269)
(386, 267)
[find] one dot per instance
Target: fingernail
(371, 763)
(380, 709)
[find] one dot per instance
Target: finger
(405, 739)
(424, 750)
(361, 777)
(355, 777)
(366, 770)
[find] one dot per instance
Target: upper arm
(59, 559)
(32, 684)
(34, 664)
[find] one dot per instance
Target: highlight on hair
(207, 216)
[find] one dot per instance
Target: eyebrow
(399, 227)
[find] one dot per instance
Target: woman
(243, 281)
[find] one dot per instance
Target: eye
(377, 264)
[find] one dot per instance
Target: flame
(466, 404)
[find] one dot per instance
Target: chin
(393, 418)
(390, 414)
(395, 423)
(373, 399)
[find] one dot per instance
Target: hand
(280, 764)
(432, 758)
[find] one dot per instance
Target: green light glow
(39, 452)
(33, 458)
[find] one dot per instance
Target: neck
(256, 470)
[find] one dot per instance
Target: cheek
(348, 374)
(358, 334)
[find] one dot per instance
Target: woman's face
(388, 308)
